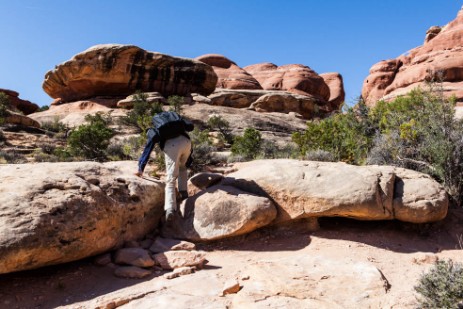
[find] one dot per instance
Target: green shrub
(217, 123)
(441, 286)
(54, 126)
(347, 136)
(90, 140)
(142, 112)
(176, 103)
(43, 108)
(248, 145)
(128, 149)
(202, 149)
(320, 155)
(12, 157)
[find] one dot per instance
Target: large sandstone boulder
(336, 85)
(440, 57)
(54, 213)
(221, 212)
(121, 70)
(21, 105)
(296, 78)
(230, 75)
(302, 189)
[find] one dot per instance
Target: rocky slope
(439, 58)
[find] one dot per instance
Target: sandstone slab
(53, 213)
(121, 70)
(303, 189)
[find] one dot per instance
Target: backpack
(168, 125)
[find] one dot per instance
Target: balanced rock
(221, 212)
(296, 78)
(21, 105)
(121, 70)
(55, 213)
(440, 58)
(230, 75)
(302, 189)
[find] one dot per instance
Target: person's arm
(153, 138)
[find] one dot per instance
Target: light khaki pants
(176, 150)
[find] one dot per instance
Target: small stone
(102, 260)
(232, 286)
(176, 259)
(146, 243)
(166, 244)
(182, 271)
(131, 272)
(131, 244)
(134, 256)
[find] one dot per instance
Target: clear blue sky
(328, 36)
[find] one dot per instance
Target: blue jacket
(153, 138)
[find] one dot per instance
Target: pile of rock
(154, 255)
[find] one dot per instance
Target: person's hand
(139, 174)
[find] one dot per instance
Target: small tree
(218, 123)
(175, 103)
(142, 112)
(91, 140)
(247, 145)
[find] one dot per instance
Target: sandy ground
(402, 252)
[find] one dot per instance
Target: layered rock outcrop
(21, 105)
(296, 78)
(230, 75)
(121, 70)
(440, 58)
(244, 200)
(59, 212)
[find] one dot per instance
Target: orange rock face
(230, 75)
(121, 70)
(336, 85)
(296, 78)
(439, 58)
(24, 106)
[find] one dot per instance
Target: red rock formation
(440, 57)
(231, 76)
(336, 85)
(121, 70)
(294, 78)
(24, 106)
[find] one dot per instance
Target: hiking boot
(183, 195)
(169, 216)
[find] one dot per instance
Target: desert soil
(402, 252)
